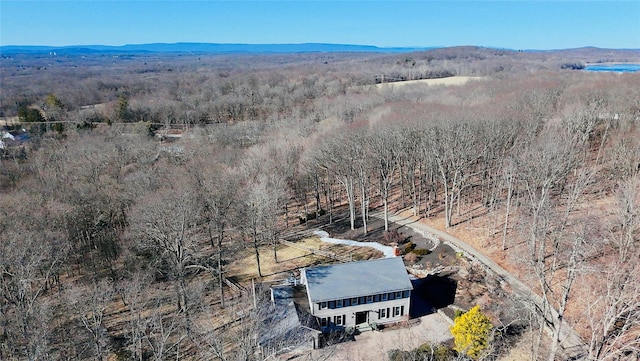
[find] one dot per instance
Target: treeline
(204, 89)
(116, 244)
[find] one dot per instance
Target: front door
(361, 317)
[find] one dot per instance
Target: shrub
(409, 247)
(435, 352)
(471, 332)
(421, 251)
(424, 352)
(458, 313)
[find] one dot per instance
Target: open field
(454, 80)
(9, 121)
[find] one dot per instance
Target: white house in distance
(358, 294)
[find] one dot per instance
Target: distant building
(358, 294)
(13, 138)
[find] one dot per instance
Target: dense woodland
(115, 242)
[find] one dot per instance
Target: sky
(514, 24)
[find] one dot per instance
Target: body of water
(617, 68)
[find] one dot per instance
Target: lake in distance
(617, 68)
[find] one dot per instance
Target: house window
(398, 295)
(391, 296)
(323, 305)
(384, 297)
(324, 321)
(332, 304)
(405, 294)
(354, 301)
(398, 311)
(339, 320)
(376, 298)
(347, 302)
(369, 299)
(361, 300)
(382, 313)
(339, 304)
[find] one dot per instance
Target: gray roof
(356, 279)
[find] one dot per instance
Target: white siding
(373, 310)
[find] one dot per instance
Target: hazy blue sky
(509, 24)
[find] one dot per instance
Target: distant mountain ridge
(206, 48)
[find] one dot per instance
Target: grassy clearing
(454, 80)
(291, 259)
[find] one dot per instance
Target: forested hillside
(146, 177)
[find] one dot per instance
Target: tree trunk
(352, 201)
(363, 203)
(317, 193)
(275, 249)
(286, 215)
(447, 207)
(220, 273)
(330, 202)
(386, 213)
(506, 216)
(255, 248)
(182, 297)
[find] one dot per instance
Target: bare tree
(32, 254)
(217, 192)
(338, 159)
(134, 293)
(384, 145)
(162, 333)
(411, 165)
(613, 309)
(254, 214)
(360, 145)
(454, 146)
(166, 223)
(91, 306)
(556, 253)
(508, 178)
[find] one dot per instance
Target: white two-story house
(358, 293)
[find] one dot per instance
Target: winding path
(572, 347)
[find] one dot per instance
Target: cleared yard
(291, 259)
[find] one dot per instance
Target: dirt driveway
(375, 345)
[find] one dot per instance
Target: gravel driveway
(375, 345)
